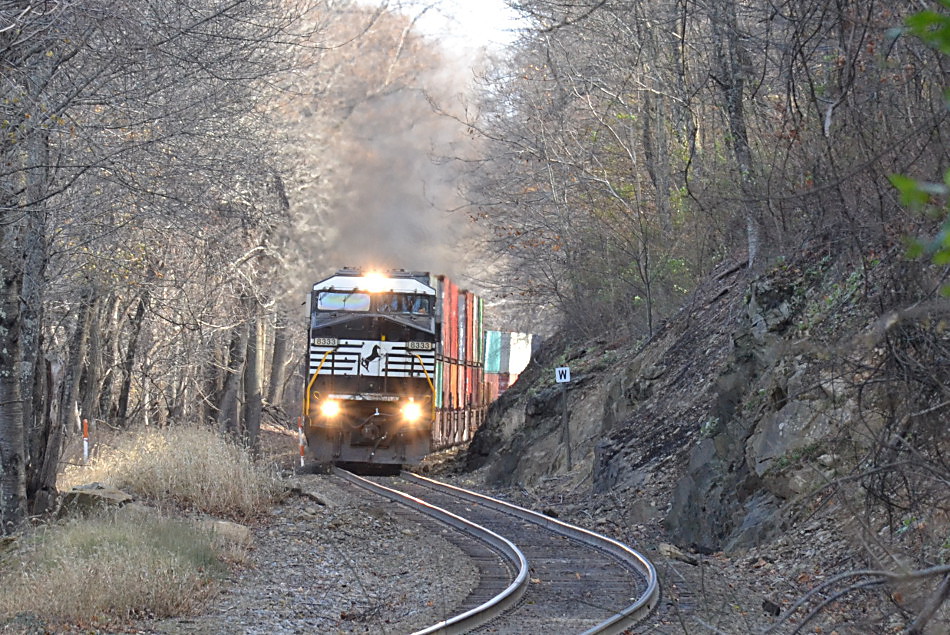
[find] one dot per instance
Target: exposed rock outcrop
(751, 399)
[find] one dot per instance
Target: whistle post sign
(562, 375)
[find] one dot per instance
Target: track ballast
(537, 574)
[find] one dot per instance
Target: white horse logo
(371, 354)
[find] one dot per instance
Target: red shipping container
(449, 300)
(467, 393)
(469, 326)
(452, 302)
(472, 346)
(454, 343)
(444, 300)
(491, 383)
(460, 335)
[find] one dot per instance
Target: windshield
(335, 301)
(404, 303)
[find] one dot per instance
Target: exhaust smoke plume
(394, 207)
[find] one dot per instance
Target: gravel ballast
(329, 560)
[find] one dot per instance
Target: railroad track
(537, 574)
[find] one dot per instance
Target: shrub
(187, 466)
(110, 567)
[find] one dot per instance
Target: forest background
(173, 174)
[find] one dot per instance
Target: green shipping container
(493, 351)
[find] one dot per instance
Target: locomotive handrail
(306, 399)
(472, 618)
(428, 379)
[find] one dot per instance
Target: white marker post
(300, 438)
(85, 441)
(562, 375)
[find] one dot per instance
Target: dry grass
(189, 467)
(109, 568)
(135, 562)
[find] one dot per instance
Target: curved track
(542, 575)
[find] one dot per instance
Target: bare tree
(591, 128)
(629, 144)
(130, 126)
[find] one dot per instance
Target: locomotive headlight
(374, 282)
(330, 408)
(412, 411)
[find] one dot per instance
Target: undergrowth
(188, 467)
(108, 568)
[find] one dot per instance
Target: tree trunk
(129, 361)
(12, 448)
(35, 389)
(228, 407)
(180, 399)
(109, 324)
(41, 478)
(23, 259)
(41, 486)
(278, 370)
(731, 80)
(212, 382)
(656, 154)
(253, 383)
(90, 384)
(33, 385)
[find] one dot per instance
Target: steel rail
(480, 614)
(620, 621)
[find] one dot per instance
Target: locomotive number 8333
(395, 367)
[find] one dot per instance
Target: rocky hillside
(802, 412)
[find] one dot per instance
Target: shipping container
(507, 354)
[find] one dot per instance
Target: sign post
(85, 441)
(300, 439)
(562, 375)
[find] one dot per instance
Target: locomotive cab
(370, 394)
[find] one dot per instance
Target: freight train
(395, 367)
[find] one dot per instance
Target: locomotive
(395, 367)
